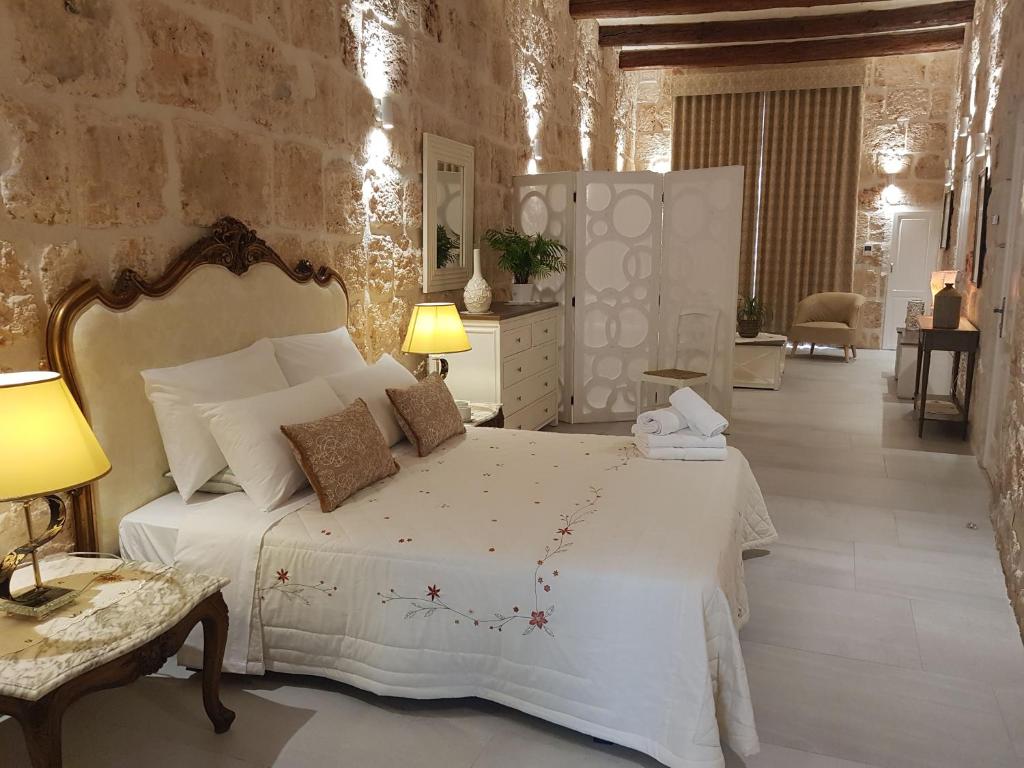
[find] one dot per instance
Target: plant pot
(522, 293)
(748, 329)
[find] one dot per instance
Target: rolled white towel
(684, 454)
(697, 414)
(660, 422)
(684, 438)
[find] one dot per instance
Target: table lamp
(436, 329)
(46, 447)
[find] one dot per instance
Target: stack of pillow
(688, 430)
(269, 418)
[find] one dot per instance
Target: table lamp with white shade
(46, 447)
(436, 328)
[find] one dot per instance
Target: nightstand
(487, 415)
(128, 619)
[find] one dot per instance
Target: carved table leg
(215, 636)
(41, 723)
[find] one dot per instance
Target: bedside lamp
(436, 329)
(46, 446)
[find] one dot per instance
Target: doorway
(915, 243)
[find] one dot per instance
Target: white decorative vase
(477, 294)
(522, 293)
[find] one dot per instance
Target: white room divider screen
(638, 295)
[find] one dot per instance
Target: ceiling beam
(617, 9)
(911, 19)
(789, 53)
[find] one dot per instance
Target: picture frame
(983, 191)
(948, 206)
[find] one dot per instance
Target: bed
(562, 575)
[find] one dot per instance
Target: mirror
(448, 172)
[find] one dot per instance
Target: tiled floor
(880, 633)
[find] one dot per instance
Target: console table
(964, 339)
(127, 619)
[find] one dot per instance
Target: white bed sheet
(150, 533)
(643, 649)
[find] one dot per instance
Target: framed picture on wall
(982, 193)
(948, 203)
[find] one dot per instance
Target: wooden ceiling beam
(617, 9)
(790, 53)
(913, 19)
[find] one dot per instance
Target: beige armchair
(831, 319)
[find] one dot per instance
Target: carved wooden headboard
(224, 292)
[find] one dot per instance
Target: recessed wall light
(385, 113)
(538, 149)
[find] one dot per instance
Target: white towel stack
(688, 430)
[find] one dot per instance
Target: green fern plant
(526, 256)
(449, 245)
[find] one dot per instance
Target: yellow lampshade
(435, 329)
(46, 444)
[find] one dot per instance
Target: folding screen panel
(545, 204)
(617, 254)
(700, 275)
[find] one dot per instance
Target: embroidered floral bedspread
(562, 575)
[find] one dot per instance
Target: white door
(546, 206)
(700, 261)
(912, 257)
(997, 307)
(617, 253)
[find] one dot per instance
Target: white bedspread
(558, 574)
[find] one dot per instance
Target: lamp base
(38, 602)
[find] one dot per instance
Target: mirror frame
(439, 149)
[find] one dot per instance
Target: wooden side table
(127, 620)
(758, 362)
(964, 339)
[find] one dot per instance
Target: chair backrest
(696, 337)
(830, 307)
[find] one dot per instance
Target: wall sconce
(980, 144)
(892, 195)
(385, 113)
(965, 127)
(537, 148)
(893, 162)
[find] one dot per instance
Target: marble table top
(122, 605)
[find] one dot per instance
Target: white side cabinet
(513, 361)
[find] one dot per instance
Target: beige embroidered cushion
(341, 453)
(427, 413)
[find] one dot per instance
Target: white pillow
(369, 383)
(221, 483)
(192, 453)
(313, 355)
(248, 431)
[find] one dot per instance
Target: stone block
(34, 181)
(384, 206)
(387, 320)
(62, 265)
(142, 255)
(298, 186)
(120, 169)
(261, 84)
(293, 249)
(77, 46)
(350, 260)
(343, 198)
(930, 167)
(898, 71)
(867, 282)
(314, 26)
(386, 58)
(179, 64)
(930, 137)
(223, 173)
(913, 104)
(19, 312)
(271, 16)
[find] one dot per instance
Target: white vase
(477, 294)
(522, 293)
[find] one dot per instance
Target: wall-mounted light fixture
(893, 162)
(965, 127)
(892, 195)
(385, 113)
(537, 148)
(980, 141)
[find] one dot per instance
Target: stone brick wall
(907, 109)
(127, 126)
(991, 92)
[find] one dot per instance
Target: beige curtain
(718, 130)
(809, 204)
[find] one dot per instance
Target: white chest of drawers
(514, 361)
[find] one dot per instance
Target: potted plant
(750, 316)
(526, 257)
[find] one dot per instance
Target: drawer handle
(519, 339)
(545, 410)
(547, 384)
(546, 330)
(519, 397)
(545, 358)
(519, 369)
